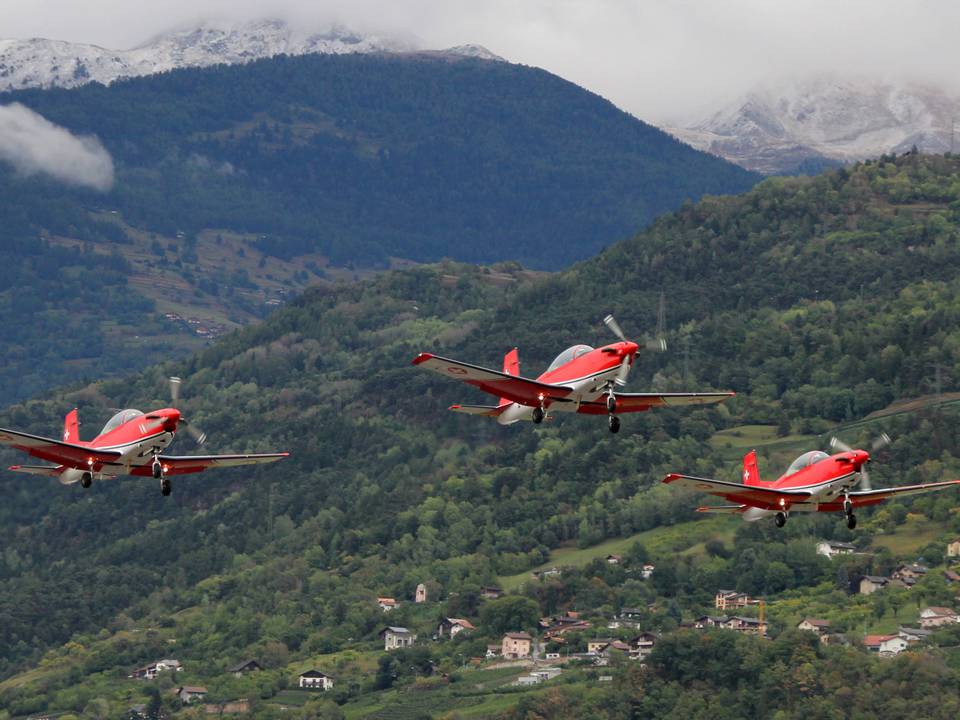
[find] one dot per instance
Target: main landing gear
(848, 511)
(165, 487)
(780, 519)
(538, 415)
(86, 480)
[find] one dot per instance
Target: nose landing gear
(848, 512)
(614, 423)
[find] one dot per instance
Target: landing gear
(86, 480)
(851, 521)
(538, 415)
(614, 422)
(165, 486)
(611, 403)
(780, 520)
(157, 470)
(848, 511)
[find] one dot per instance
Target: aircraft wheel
(537, 415)
(165, 487)
(157, 471)
(614, 424)
(611, 404)
(86, 480)
(780, 520)
(851, 521)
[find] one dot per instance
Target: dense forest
(819, 300)
(367, 157)
(358, 158)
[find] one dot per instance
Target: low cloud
(34, 145)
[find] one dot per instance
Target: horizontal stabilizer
(728, 509)
(488, 410)
(45, 470)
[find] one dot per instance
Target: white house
(149, 672)
(421, 594)
(885, 645)
(932, 617)
(387, 603)
(189, 693)
(829, 548)
(816, 625)
(451, 627)
(953, 548)
(315, 680)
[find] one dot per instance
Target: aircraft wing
(640, 402)
(185, 464)
(70, 455)
(517, 389)
(759, 497)
(45, 470)
(861, 498)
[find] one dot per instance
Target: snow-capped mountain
(783, 128)
(52, 63)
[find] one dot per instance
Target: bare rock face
(782, 128)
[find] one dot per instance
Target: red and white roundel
(456, 370)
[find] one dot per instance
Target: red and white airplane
(814, 482)
(130, 443)
(581, 379)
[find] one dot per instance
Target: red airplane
(814, 482)
(129, 444)
(581, 379)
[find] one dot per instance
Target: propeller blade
(175, 390)
(838, 444)
(657, 345)
(865, 478)
(196, 433)
(621, 378)
(614, 326)
(881, 441)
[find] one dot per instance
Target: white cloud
(660, 59)
(33, 144)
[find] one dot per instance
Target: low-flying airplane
(130, 443)
(581, 379)
(814, 482)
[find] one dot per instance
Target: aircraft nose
(630, 348)
(171, 420)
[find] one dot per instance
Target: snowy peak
(778, 128)
(52, 63)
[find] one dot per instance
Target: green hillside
(236, 187)
(820, 300)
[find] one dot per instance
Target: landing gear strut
(611, 403)
(86, 480)
(614, 422)
(538, 415)
(780, 520)
(848, 511)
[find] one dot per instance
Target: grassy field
(685, 537)
(908, 538)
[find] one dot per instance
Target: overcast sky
(659, 59)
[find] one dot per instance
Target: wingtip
(671, 477)
(17, 467)
(454, 407)
(421, 358)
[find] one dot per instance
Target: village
(585, 639)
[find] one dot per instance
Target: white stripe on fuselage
(826, 491)
(588, 388)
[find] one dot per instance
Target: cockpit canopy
(806, 460)
(571, 353)
(119, 419)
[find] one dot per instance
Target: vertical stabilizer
(751, 472)
(71, 427)
(511, 366)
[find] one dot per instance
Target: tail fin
(511, 366)
(751, 473)
(71, 427)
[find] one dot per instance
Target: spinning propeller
(658, 344)
(882, 440)
(196, 433)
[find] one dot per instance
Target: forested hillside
(314, 161)
(367, 157)
(819, 300)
